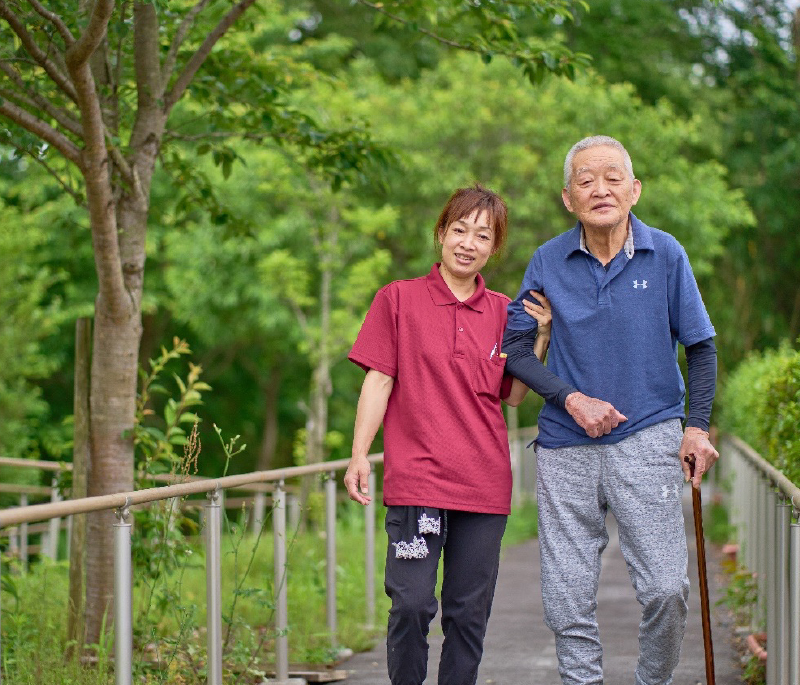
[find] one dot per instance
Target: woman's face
(467, 244)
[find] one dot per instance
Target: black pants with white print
(471, 546)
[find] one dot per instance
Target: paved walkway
(520, 650)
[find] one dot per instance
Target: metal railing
(263, 482)
(123, 578)
(19, 537)
(764, 507)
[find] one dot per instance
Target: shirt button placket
(459, 348)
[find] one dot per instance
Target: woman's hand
(539, 310)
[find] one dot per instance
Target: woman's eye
(483, 236)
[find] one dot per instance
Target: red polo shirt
(445, 439)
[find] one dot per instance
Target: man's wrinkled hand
(356, 480)
(596, 417)
(698, 449)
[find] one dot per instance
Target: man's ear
(637, 190)
(567, 200)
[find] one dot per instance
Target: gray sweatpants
(641, 481)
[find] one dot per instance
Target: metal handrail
(43, 465)
(43, 512)
(764, 507)
(778, 478)
(213, 487)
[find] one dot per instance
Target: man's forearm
(701, 363)
(522, 363)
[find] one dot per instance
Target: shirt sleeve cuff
(367, 364)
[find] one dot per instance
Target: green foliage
(522, 525)
(717, 526)
(740, 594)
(761, 404)
(30, 316)
(156, 438)
(169, 644)
(522, 156)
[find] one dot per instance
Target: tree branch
(178, 38)
(425, 32)
(149, 86)
(216, 135)
(76, 196)
(40, 57)
(44, 131)
(119, 160)
(54, 19)
(197, 59)
(82, 49)
(34, 99)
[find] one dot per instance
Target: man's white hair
(595, 141)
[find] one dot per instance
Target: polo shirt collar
(639, 237)
(442, 295)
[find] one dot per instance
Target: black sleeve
(522, 363)
(701, 361)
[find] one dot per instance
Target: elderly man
(623, 296)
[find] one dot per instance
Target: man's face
(601, 192)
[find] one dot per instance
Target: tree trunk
(117, 334)
(796, 37)
(80, 467)
(317, 422)
(269, 440)
(113, 405)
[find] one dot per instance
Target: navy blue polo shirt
(615, 330)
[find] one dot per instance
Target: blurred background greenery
(265, 262)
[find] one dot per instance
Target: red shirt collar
(442, 295)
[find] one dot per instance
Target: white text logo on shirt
(643, 284)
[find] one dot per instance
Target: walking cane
(697, 507)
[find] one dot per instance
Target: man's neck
(606, 243)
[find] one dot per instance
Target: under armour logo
(643, 284)
(670, 491)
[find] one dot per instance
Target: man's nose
(601, 188)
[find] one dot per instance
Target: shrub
(761, 405)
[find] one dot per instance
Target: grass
(169, 617)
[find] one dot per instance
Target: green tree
(29, 313)
(89, 92)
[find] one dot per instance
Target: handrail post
(123, 602)
(213, 588)
(330, 554)
(293, 510)
(794, 601)
(259, 512)
(23, 536)
(761, 553)
(281, 609)
(784, 519)
(369, 561)
(770, 586)
(55, 523)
